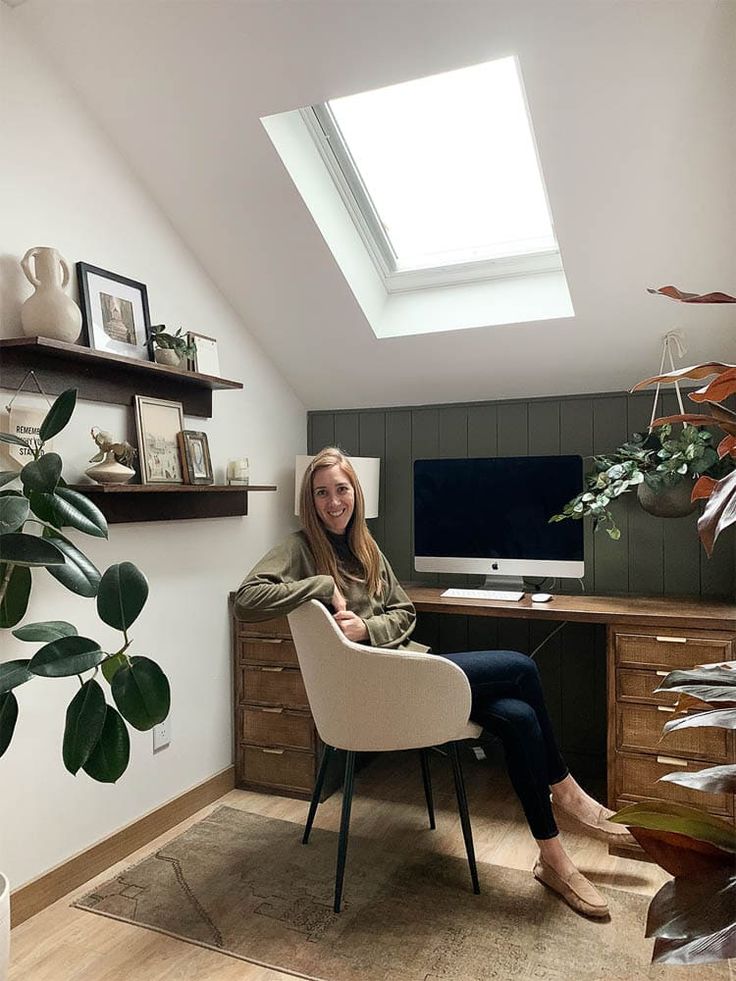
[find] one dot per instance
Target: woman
(335, 560)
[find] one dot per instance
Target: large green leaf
(111, 665)
(688, 907)
(58, 415)
(13, 512)
(30, 550)
(45, 631)
(42, 474)
(85, 718)
(42, 506)
(122, 595)
(78, 574)
(720, 718)
(109, 759)
(15, 602)
(14, 673)
(679, 819)
(141, 692)
(8, 718)
(8, 476)
(15, 440)
(704, 950)
(65, 657)
(76, 510)
(714, 779)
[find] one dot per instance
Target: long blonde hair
(358, 536)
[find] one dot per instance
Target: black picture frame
(115, 313)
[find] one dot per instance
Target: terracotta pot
(670, 502)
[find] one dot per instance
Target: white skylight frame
(323, 128)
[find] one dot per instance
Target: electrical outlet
(162, 734)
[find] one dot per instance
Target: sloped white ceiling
(633, 109)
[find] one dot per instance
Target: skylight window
(441, 176)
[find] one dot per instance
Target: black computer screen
(497, 508)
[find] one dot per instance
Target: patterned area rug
(246, 886)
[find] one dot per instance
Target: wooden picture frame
(195, 457)
(158, 423)
(206, 360)
(115, 313)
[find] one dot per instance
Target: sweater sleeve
(394, 625)
(279, 583)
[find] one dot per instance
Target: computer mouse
(541, 597)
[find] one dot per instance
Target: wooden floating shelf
(122, 503)
(103, 377)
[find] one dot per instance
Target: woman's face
(334, 498)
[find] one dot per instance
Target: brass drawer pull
(270, 669)
(278, 711)
(671, 761)
(672, 640)
(269, 640)
(275, 752)
(665, 708)
(662, 674)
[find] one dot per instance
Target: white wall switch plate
(162, 734)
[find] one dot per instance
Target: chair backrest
(367, 698)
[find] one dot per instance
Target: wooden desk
(645, 638)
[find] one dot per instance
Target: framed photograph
(115, 311)
(158, 423)
(206, 361)
(195, 457)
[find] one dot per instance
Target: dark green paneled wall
(654, 556)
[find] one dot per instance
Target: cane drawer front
(639, 730)
(669, 649)
(637, 779)
(281, 687)
(267, 650)
(263, 725)
(277, 627)
(639, 686)
(290, 769)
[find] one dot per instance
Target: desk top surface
(665, 611)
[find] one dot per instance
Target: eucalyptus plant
(693, 917)
(659, 458)
(95, 735)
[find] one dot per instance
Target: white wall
(61, 184)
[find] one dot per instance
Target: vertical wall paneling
(453, 444)
(482, 441)
(346, 432)
(372, 442)
(425, 444)
(576, 436)
(322, 431)
(611, 558)
(646, 536)
(397, 519)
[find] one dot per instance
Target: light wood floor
(65, 944)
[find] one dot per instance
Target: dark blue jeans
(508, 701)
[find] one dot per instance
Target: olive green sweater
(285, 579)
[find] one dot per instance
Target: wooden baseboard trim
(47, 888)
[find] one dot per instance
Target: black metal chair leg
(342, 848)
(326, 754)
(462, 803)
(427, 778)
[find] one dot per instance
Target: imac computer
(491, 516)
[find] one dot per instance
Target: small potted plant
(661, 465)
(171, 349)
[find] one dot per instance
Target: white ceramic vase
(49, 312)
(165, 355)
(109, 471)
(4, 927)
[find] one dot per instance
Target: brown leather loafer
(599, 827)
(578, 893)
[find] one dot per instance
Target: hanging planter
(667, 502)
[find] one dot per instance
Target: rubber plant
(693, 917)
(95, 737)
(719, 494)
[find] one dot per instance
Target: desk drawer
(639, 686)
(669, 650)
(288, 768)
(277, 627)
(638, 776)
(267, 650)
(281, 727)
(639, 730)
(273, 686)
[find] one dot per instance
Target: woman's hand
(338, 601)
(352, 626)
